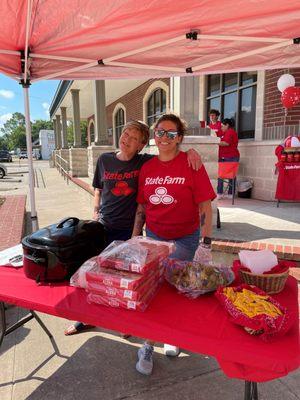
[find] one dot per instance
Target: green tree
(70, 133)
(37, 125)
(14, 131)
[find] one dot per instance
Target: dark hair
(181, 125)
(213, 111)
(228, 121)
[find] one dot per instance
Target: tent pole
(34, 220)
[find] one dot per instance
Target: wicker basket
(270, 283)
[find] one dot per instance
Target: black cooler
(55, 252)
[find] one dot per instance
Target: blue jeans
(117, 234)
(230, 181)
(185, 246)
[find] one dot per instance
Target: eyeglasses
(170, 134)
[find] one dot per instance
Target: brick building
(250, 98)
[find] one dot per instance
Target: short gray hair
(141, 127)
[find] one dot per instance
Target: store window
(119, 123)
(156, 106)
(234, 95)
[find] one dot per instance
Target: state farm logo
(122, 189)
(161, 196)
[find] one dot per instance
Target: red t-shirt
(216, 126)
(171, 192)
(230, 137)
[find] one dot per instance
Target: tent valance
(130, 39)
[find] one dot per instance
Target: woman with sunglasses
(171, 198)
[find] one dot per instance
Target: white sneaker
(172, 351)
(145, 363)
(220, 196)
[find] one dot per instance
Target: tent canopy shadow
(105, 368)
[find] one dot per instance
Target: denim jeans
(186, 246)
(117, 234)
(230, 181)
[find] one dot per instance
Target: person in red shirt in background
(171, 200)
(228, 151)
(214, 122)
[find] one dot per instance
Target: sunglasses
(170, 134)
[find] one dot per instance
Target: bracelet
(206, 240)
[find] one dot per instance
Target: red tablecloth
(199, 325)
(288, 182)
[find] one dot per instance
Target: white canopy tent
(88, 39)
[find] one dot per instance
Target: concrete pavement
(99, 364)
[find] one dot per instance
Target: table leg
(218, 219)
(38, 319)
(2, 322)
(32, 314)
(251, 391)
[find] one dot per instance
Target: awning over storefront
(130, 39)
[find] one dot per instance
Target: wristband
(206, 240)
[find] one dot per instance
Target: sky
(11, 98)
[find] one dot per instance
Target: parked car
(3, 171)
(23, 154)
(5, 156)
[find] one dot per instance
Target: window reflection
(247, 114)
(230, 82)
(230, 101)
(156, 106)
(237, 99)
(119, 123)
(214, 85)
(248, 77)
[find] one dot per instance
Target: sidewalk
(99, 364)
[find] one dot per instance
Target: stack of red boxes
(126, 274)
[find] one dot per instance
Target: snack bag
(255, 310)
(193, 278)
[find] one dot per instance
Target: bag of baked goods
(138, 254)
(194, 279)
(255, 310)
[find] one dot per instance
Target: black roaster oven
(55, 252)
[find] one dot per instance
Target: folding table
(200, 325)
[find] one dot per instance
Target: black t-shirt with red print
(118, 181)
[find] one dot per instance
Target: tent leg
(250, 391)
(34, 220)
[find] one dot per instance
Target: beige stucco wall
(258, 163)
